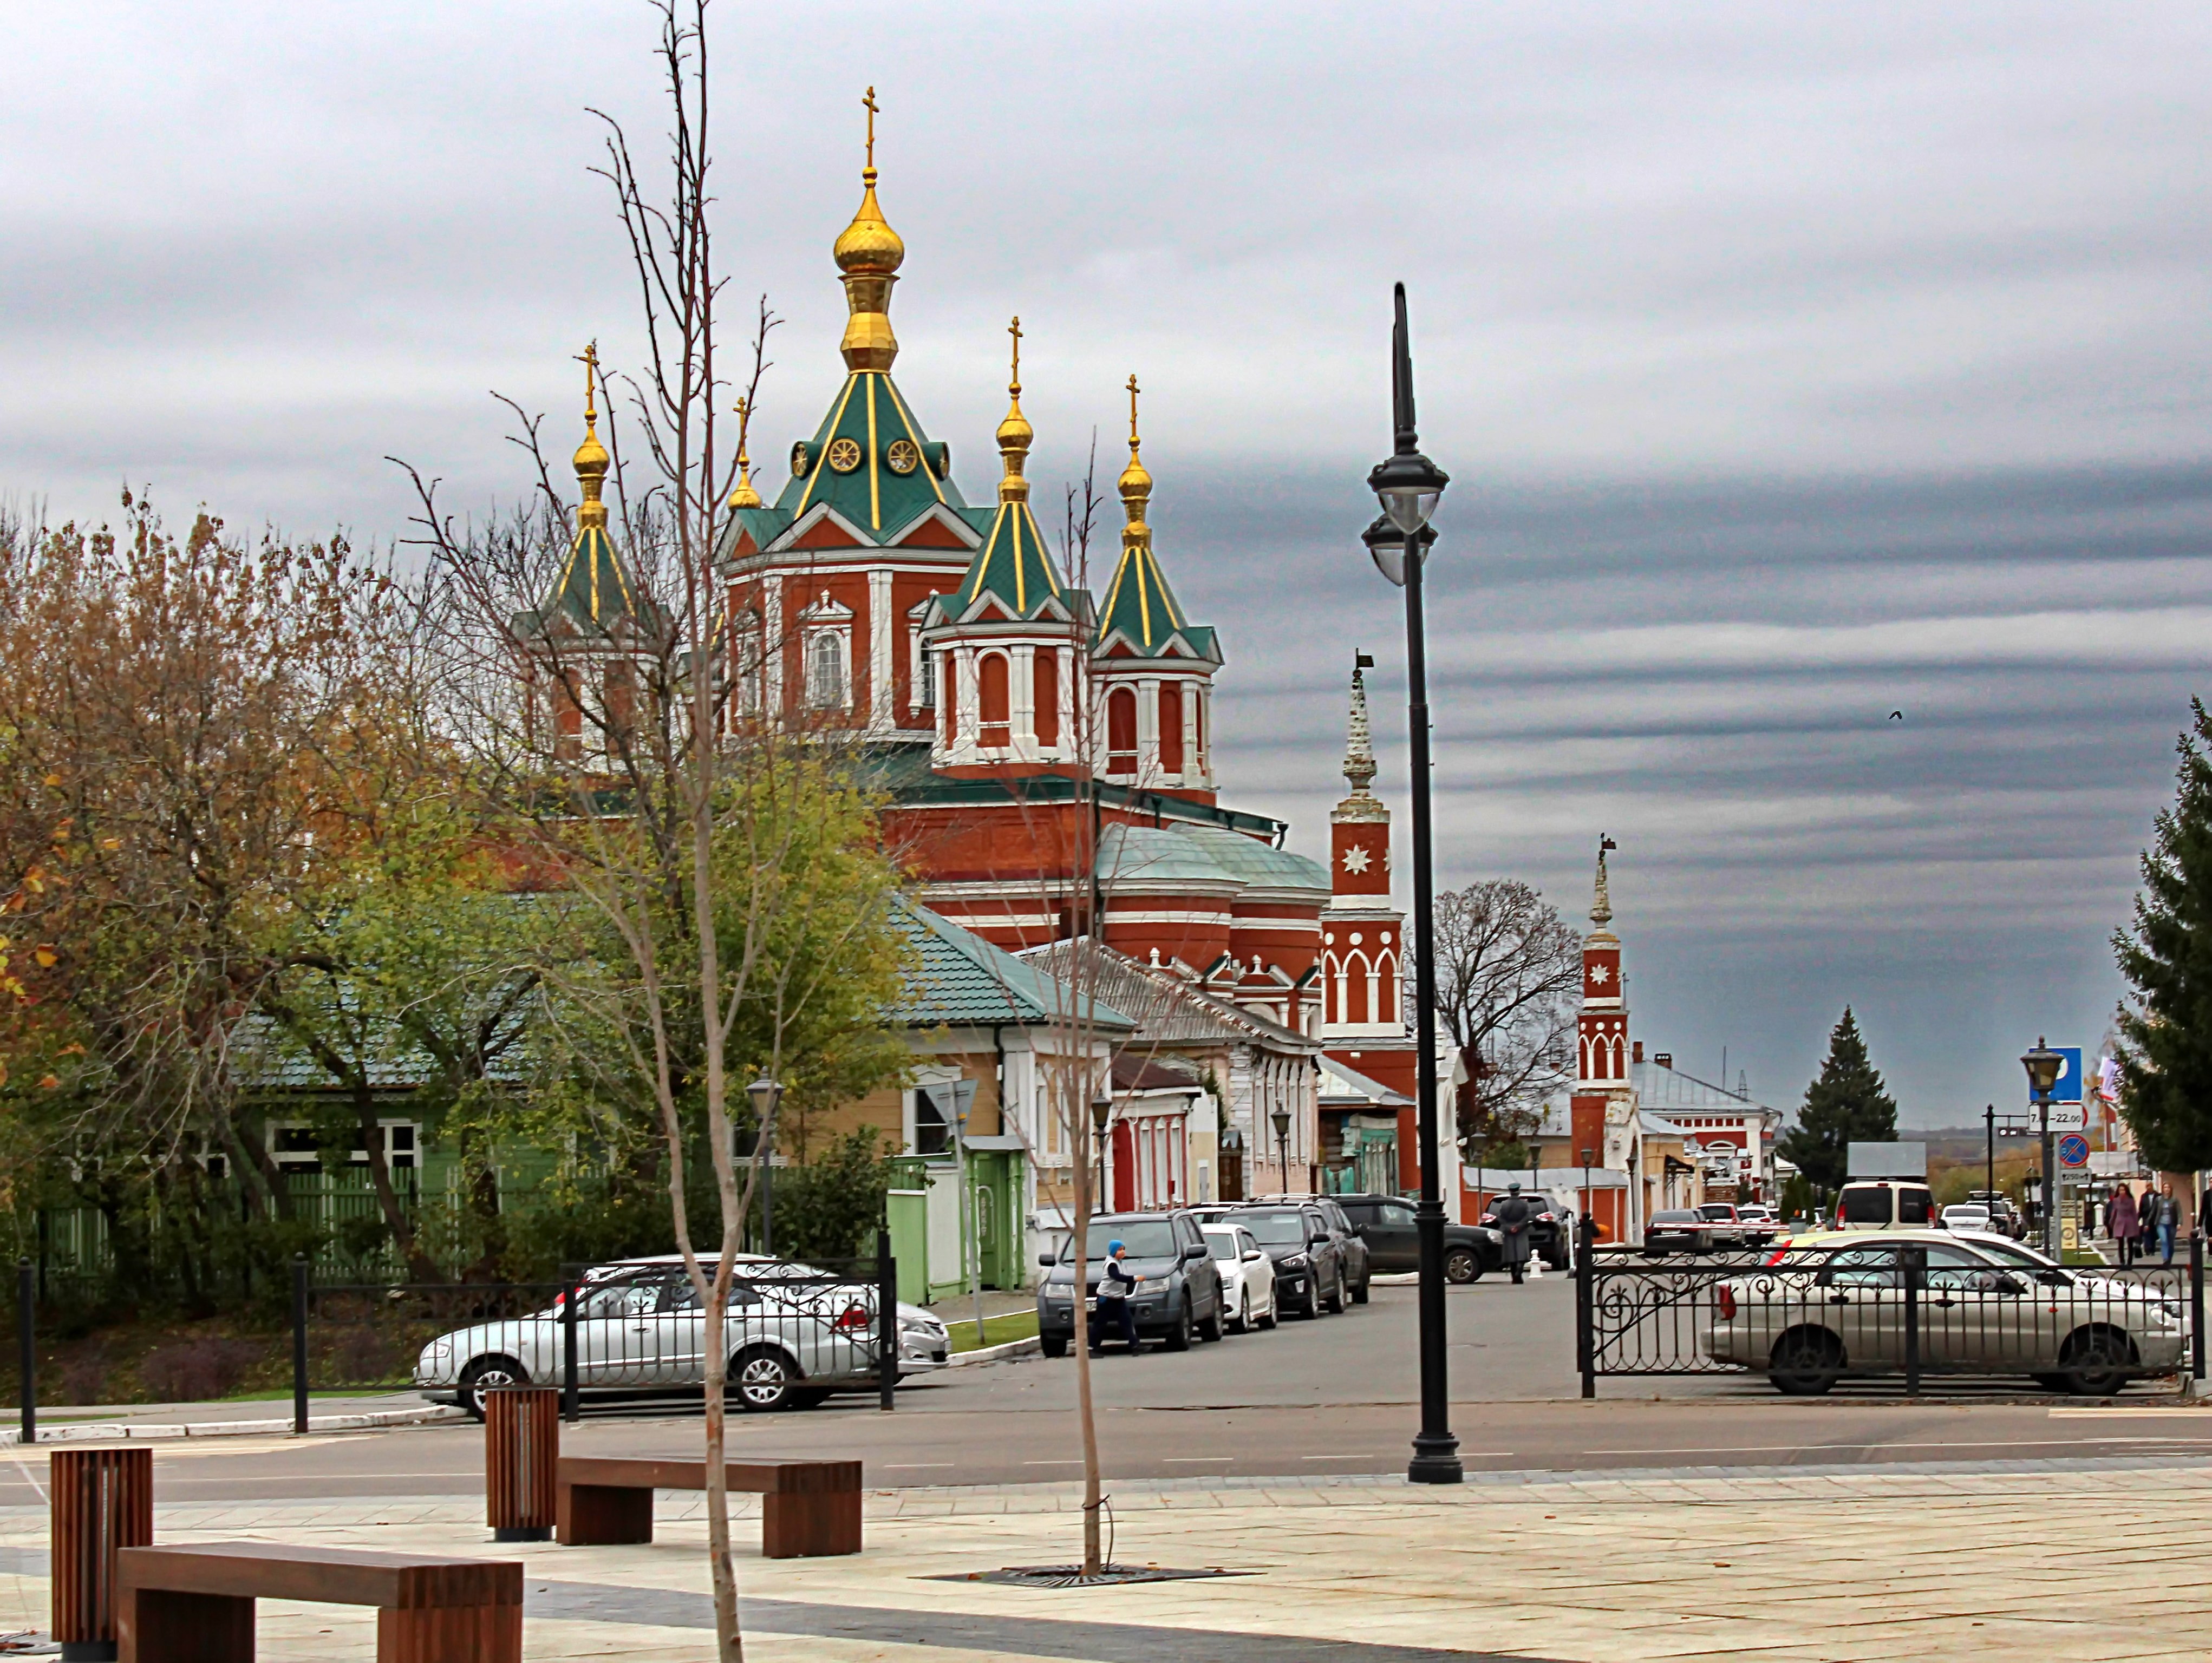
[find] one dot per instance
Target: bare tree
(1509, 978)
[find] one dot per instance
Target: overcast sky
(1794, 365)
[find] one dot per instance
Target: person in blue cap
(1115, 1283)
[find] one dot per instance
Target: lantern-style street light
(1408, 486)
(1101, 1111)
(1281, 1119)
(2043, 1064)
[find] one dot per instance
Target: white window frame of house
(403, 1146)
(909, 1113)
(827, 622)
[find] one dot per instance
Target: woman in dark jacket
(2124, 1224)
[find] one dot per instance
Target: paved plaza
(2012, 1560)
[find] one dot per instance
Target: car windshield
(1145, 1238)
(1674, 1219)
(1276, 1228)
(2011, 1253)
(1716, 1214)
(1222, 1244)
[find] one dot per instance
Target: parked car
(794, 1335)
(1677, 1230)
(1734, 1226)
(1350, 1247)
(1178, 1293)
(1248, 1275)
(1310, 1271)
(1385, 1223)
(1551, 1227)
(2004, 1217)
(1885, 1203)
(1835, 1307)
(1965, 1216)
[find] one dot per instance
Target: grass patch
(997, 1330)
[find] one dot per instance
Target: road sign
(2069, 1117)
(2073, 1152)
(2067, 1088)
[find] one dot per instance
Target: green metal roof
(960, 979)
(1141, 609)
(871, 492)
(903, 773)
(1256, 862)
(593, 590)
(1144, 855)
(1014, 565)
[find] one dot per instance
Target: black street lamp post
(766, 1094)
(1281, 1120)
(1989, 1130)
(1101, 1111)
(2043, 1064)
(1408, 485)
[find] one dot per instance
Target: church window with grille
(825, 672)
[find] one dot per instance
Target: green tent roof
(1141, 609)
(1014, 565)
(870, 461)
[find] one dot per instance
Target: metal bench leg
(450, 1634)
(811, 1526)
(599, 1515)
(153, 1625)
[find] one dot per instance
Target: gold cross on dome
(1132, 408)
(589, 358)
(1014, 329)
(869, 103)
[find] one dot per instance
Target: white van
(1886, 1203)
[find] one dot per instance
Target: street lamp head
(1281, 1117)
(1386, 547)
(766, 1094)
(1102, 1110)
(1408, 486)
(2042, 1065)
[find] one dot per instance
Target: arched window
(1044, 679)
(825, 672)
(1197, 729)
(991, 695)
(1171, 727)
(1121, 730)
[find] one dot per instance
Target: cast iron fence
(796, 1332)
(1808, 1317)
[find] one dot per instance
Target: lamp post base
(1436, 1459)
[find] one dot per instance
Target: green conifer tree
(2166, 1030)
(1848, 1104)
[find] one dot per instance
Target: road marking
(1076, 1463)
(1188, 1461)
(909, 1467)
(1943, 1443)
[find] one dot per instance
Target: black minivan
(1178, 1292)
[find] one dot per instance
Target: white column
(1193, 774)
(963, 732)
(1070, 740)
(883, 711)
(772, 643)
(1148, 730)
(1021, 697)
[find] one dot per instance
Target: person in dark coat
(2124, 1223)
(1513, 1214)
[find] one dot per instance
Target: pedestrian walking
(2125, 1223)
(2169, 1216)
(1513, 1214)
(1115, 1283)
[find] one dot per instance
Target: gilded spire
(1015, 432)
(1135, 484)
(745, 496)
(869, 253)
(591, 458)
(1359, 743)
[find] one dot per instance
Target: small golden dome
(591, 458)
(743, 495)
(1015, 433)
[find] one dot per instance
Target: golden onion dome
(1135, 485)
(868, 247)
(1015, 433)
(591, 458)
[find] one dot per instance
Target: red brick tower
(1602, 1035)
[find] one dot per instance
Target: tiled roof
(960, 978)
(1168, 1009)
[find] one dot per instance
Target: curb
(1012, 1348)
(430, 1414)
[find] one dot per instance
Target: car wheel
(2049, 1382)
(812, 1397)
(1806, 1363)
(1242, 1323)
(2097, 1362)
(1461, 1265)
(1274, 1310)
(1215, 1326)
(1179, 1336)
(761, 1381)
(484, 1374)
(1360, 1295)
(1336, 1299)
(1053, 1345)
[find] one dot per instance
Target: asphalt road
(1336, 1395)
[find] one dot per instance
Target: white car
(1248, 1277)
(1965, 1216)
(795, 1336)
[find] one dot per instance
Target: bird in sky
(1896, 715)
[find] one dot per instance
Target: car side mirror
(2006, 1282)
(1193, 1251)
(1253, 1255)
(1046, 1260)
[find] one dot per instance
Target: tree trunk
(421, 1267)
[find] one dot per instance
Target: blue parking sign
(2067, 1088)
(2073, 1150)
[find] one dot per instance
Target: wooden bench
(195, 1604)
(811, 1510)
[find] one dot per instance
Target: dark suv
(1385, 1223)
(1359, 1262)
(1178, 1292)
(1551, 1227)
(1311, 1273)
